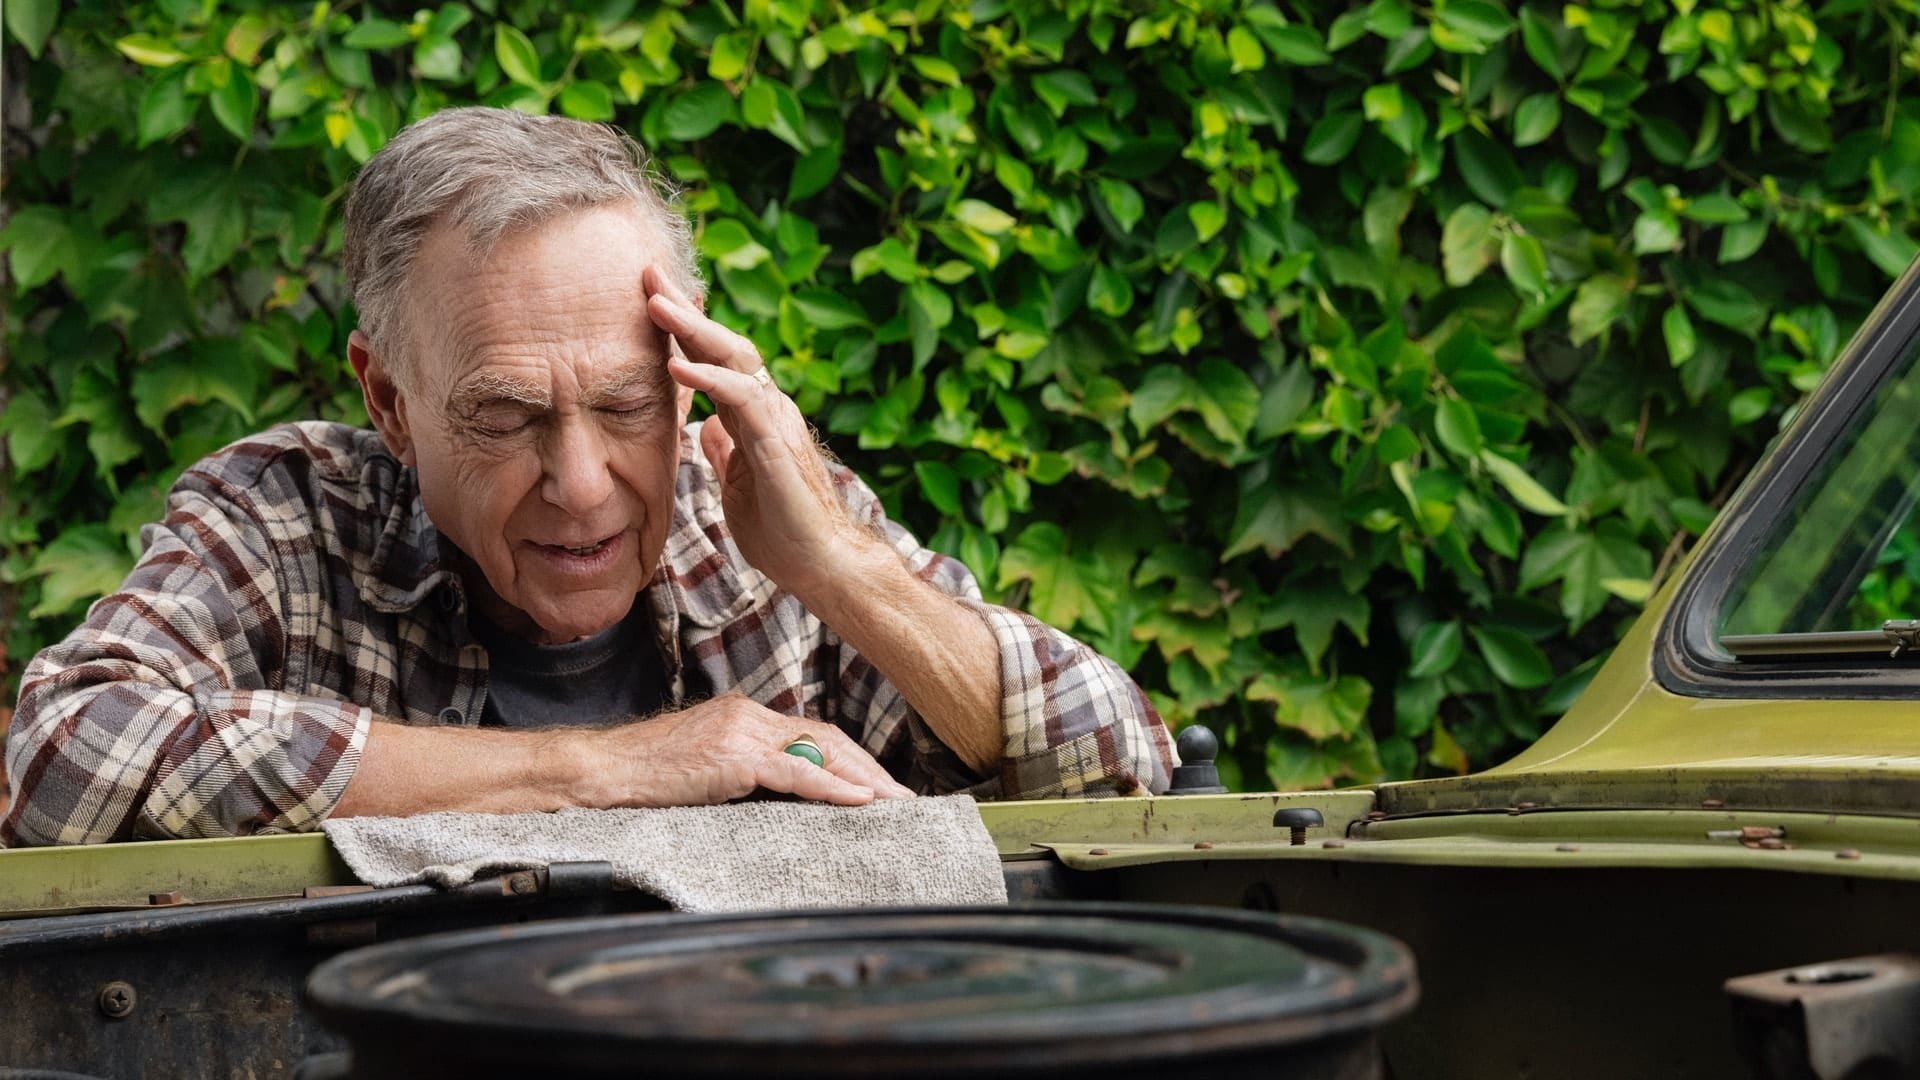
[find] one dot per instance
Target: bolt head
(117, 1000)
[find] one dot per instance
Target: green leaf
(770, 105)
(1066, 587)
(1514, 660)
(1226, 399)
(1681, 340)
(1523, 487)
(697, 113)
(1332, 138)
(1525, 263)
(39, 244)
(1471, 26)
(1273, 519)
(31, 22)
(1322, 710)
(1060, 89)
(217, 370)
(375, 33)
(940, 486)
(145, 49)
(729, 243)
(1313, 612)
(1436, 648)
(236, 104)
(1296, 44)
(890, 257)
(517, 56)
(1458, 427)
(438, 57)
(1163, 391)
(985, 217)
(1892, 252)
(1244, 50)
(1467, 243)
(165, 110)
(1208, 219)
(1597, 305)
(1749, 405)
(82, 563)
(1730, 304)
(585, 99)
(829, 310)
(32, 440)
(1123, 202)
(1656, 231)
(729, 56)
(1535, 119)
(1583, 562)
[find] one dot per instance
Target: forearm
(938, 653)
(413, 770)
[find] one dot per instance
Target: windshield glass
(1845, 555)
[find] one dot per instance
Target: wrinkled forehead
(565, 290)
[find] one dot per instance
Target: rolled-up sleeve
(1075, 724)
(156, 717)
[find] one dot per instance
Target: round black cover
(1034, 988)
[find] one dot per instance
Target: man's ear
(386, 403)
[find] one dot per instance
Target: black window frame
(1686, 658)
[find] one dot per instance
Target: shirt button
(452, 716)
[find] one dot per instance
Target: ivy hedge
(1350, 373)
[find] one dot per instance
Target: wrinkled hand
(774, 487)
(723, 749)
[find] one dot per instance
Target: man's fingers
(851, 760)
(703, 340)
(717, 444)
(784, 772)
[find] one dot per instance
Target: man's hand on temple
(779, 500)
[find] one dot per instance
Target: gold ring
(764, 379)
(803, 746)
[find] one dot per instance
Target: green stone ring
(804, 747)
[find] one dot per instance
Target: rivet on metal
(117, 1000)
(1846, 853)
(1568, 847)
(523, 883)
(1712, 804)
(1097, 851)
(1376, 815)
(1334, 843)
(1203, 845)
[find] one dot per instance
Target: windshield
(1844, 556)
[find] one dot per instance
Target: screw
(1334, 843)
(1203, 845)
(1097, 851)
(523, 883)
(1297, 836)
(1568, 847)
(1712, 804)
(117, 999)
(1846, 853)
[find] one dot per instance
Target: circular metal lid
(941, 988)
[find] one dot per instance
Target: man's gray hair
(487, 172)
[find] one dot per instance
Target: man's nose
(576, 474)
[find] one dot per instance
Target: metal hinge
(1904, 634)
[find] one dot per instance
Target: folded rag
(755, 856)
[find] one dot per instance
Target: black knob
(1297, 820)
(1196, 773)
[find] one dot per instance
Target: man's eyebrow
(487, 386)
(622, 383)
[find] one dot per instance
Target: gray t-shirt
(608, 678)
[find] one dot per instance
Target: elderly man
(528, 588)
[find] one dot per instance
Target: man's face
(540, 416)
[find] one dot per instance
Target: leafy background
(1351, 374)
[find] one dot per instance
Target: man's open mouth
(582, 553)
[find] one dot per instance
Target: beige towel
(755, 856)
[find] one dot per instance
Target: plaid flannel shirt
(295, 591)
